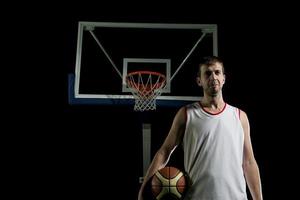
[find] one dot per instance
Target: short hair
(209, 60)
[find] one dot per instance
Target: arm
(250, 166)
(163, 154)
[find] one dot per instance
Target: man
(218, 155)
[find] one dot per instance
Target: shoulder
(192, 105)
(244, 120)
(182, 111)
(241, 114)
(181, 115)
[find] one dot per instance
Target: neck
(216, 102)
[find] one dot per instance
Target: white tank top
(213, 154)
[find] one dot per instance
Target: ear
(224, 79)
(198, 80)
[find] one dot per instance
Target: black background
(59, 150)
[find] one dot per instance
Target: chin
(214, 93)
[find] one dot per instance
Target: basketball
(168, 183)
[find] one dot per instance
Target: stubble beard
(214, 92)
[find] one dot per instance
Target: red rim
(146, 72)
(138, 86)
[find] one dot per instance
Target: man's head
(211, 75)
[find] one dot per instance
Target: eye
(208, 73)
(217, 72)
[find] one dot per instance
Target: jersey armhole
(239, 113)
(185, 125)
(185, 117)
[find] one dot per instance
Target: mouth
(213, 85)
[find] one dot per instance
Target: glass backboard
(108, 51)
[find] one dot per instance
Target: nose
(213, 76)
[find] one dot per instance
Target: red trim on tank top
(210, 112)
(186, 116)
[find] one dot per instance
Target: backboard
(108, 51)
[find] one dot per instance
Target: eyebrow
(212, 70)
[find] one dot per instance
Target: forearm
(159, 161)
(252, 176)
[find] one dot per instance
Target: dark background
(60, 150)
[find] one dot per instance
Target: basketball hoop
(145, 86)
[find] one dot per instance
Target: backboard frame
(75, 97)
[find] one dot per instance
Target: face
(211, 79)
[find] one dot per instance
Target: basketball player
(218, 155)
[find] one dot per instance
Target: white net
(145, 86)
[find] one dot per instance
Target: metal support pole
(146, 149)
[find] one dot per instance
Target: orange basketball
(168, 183)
